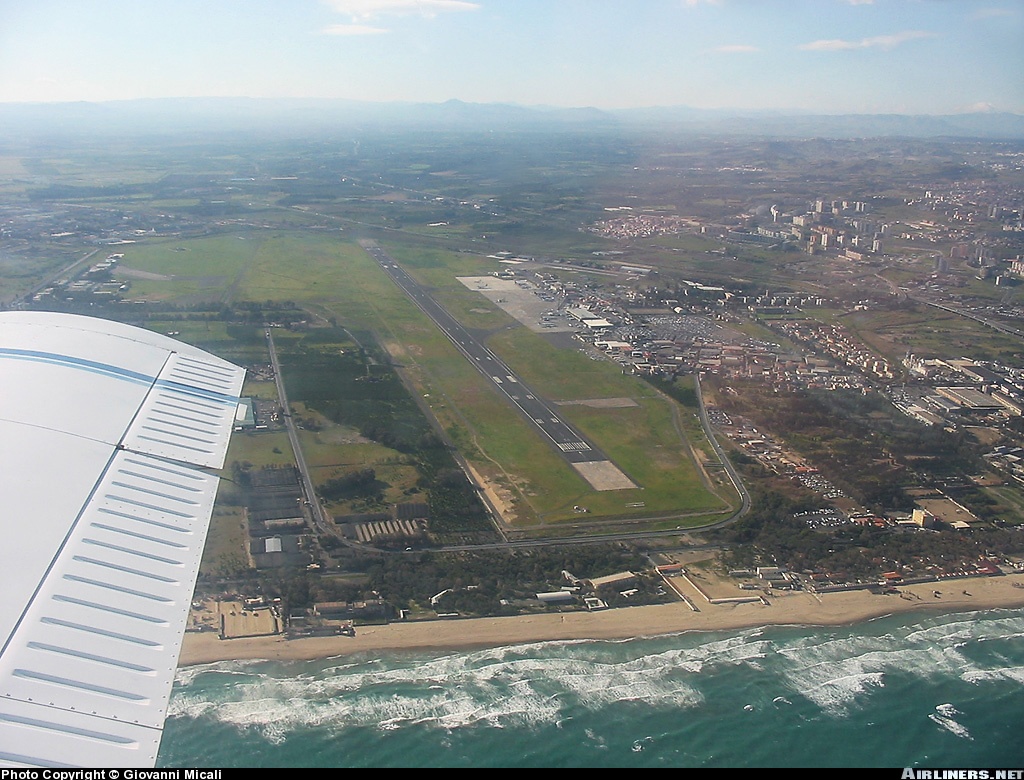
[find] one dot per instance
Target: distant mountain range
(296, 116)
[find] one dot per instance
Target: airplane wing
(108, 434)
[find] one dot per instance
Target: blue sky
(825, 56)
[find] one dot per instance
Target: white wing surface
(107, 433)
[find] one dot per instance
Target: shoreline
(797, 609)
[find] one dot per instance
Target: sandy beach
(799, 608)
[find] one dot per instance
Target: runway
(592, 464)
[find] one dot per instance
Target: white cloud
(353, 29)
(861, 2)
(367, 9)
(736, 48)
(879, 42)
(992, 13)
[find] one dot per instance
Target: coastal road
(570, 443)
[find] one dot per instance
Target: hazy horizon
(724, 110)
(828, 57)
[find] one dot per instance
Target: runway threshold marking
(574, 446)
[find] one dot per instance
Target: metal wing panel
(103, 633)
(105, 509)
(35, 735)
(47, 365)
(45, 476)
(190, 413)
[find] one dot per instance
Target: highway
(972, 316)
(573, 446)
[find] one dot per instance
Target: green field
(338, 281)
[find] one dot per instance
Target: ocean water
(930, 690)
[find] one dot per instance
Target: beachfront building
(556, 597)
(619, 580)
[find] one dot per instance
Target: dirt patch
(947, 510)
(707, 576)
(500, 498)
(987, 437)
(601, 403)
(232, 619)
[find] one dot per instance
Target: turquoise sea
(929, 691)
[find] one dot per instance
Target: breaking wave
(656, 693)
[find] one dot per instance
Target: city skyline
(820, 56)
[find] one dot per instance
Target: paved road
(66, 271)
(312, 500)
(734, 476)
(972, 316)
(573, 446)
